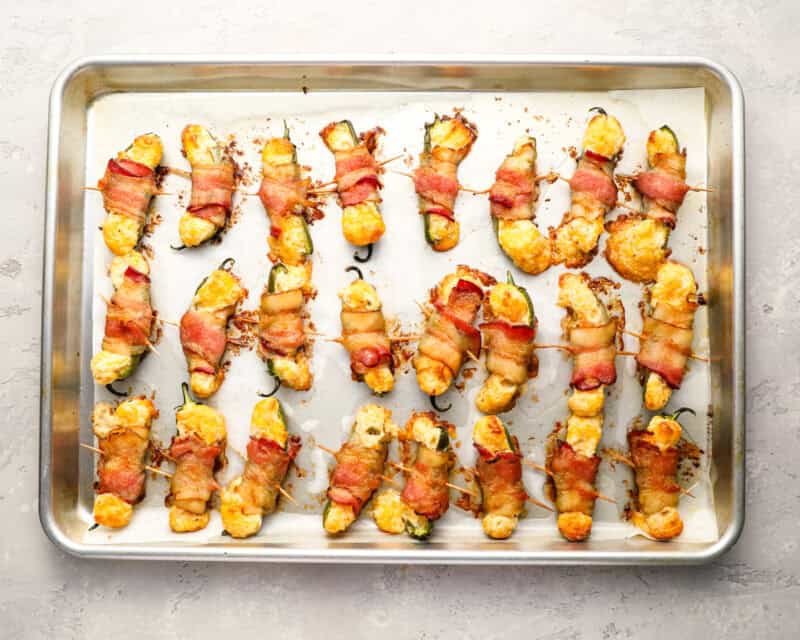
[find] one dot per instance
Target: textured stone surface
(752, 592)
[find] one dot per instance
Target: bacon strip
(127, 188)
(266, 468)
(436, 185)
(500, 479)
(573, 479)
(120, 470)
(656, 473)
(203, 337)
(212, 192)
(666, 346)
(594, 353)
(357, 178)
(426, 490)
(513, 193)
(364, 337)
(357, 474)
(283, 197)
(509, 350)
(193, 482)
(129, 317)
(280, 324)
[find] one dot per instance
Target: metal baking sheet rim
(575, 555)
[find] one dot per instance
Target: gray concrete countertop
(754, 591)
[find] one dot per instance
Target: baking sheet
(403, 268)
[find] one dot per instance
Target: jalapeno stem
(111, 389)
(358, 258)
(438, 408)
(356, 270)
(227, 264)
(274, 389)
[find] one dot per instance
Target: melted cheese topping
(121, 233)
(362, 224)
(574, 525)
(200, 147)
(662, 525)
(423, 429)
(340, 136)
(221, 289)
(675, 287)
(664, 432)
(433, 377)
(389, 512)
(490, 434)
(360, 296)
(108, 367)
(293, 244)
(659, 142)
(604, 135)
(195, 231)
(136, 413)
(587, 403)
(145, 149)
(579, 236)
(656, 392)
(203, 384)
(442, 232)
(294, 277)
(451, 134)
(508, 303)
(237, 517)
(120, 264)
(524, 244)
(278, 151)
(584, 433)
(451, 280)
(575, 294)
(267, 421)
(295, 373)
(379, 379)
(183, 521)
(338, 517)
(111, 511)
(637, 248)
(496, 394)
(499, 527)
(373, 426)
(524, 154)
(202, 421)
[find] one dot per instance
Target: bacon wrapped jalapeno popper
(512, 199)
(123, 436)
(594, 192)
(637, 243)
(283, 342)
(128, 186)
(667, 333)
(449, 334)
(364, 335)
(508, 335)
(357, 181)
(270, 452)
(213, 178)
(198, 450)
(129, 320)
(426, 496)
(284, 194)
(499, 474)
(448, 140)
(359, 467)
(655, 455)
(573, 461)
(204, 328)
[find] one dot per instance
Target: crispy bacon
(509, 350)
(203, 337)
(668, 190)
(590, 179)
(127, 188)
(120, 470)
(193, 482)
(266, 467)
(280, 325)
(656, 473)
(357, 178)
(426, 490)
(283, 197)
(212, 185)
(594, 354)
(665, 348)
(438, 188)
(573, 478)
(129, 316)
(513, 193)
(357, 474)
(500, 478)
